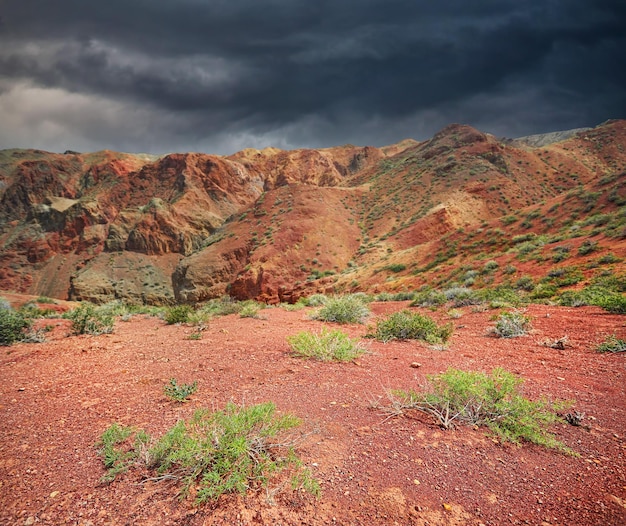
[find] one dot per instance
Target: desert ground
(57, 397)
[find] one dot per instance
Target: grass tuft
(325, 346)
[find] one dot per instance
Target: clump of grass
(178, 314)
(118, 459)
(407, 325)
(325, 346)
(214, 453)
(511, 325)
(87, 319)
(12, 325)
(250, 309)
(494, 401)
(343, 309)
(612, 345)
(179, 392)
(429, 298)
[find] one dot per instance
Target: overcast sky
(218, 76)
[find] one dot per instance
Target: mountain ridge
(274, 224)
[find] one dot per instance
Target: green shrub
(250, 309)
(118, 460)
(407, 325)
(612, 345)
(511, 325)
(228, 451)
(587, 247)
(525, 283)
(396, 267)
(179, 392)
(429, 298)
(325, 346)
(462, 296)
(614, 303)
(178, 314)
(87, 319)
(343, 309)
(12, 325)
(543, 291)
(220, 307)
(317, 300)
(45, 299)
(493, 401)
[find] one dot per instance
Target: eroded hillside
(274, 225)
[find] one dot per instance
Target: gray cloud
(150, 75)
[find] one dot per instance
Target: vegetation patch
(214, 453)
(325, 346)
(178, 314)
(343, 309)
(511, 325)
(491, 400)
(179, 392)
(12, 325)
(87, 319)
(407, 325)
(612, 345)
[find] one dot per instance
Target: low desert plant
(12, 325)
(179, 392)
(612, 345)
(215, 453)
(87, 319)
(325, 346)
(511, 325)
(178, 314)
(250, 309)
(494, 401)
(429, 298)
(343, 309)
(407, 325)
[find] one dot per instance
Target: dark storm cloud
(221, 75)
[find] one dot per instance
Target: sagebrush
(491, 400)
(230, 451)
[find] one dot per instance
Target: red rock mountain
(274, 225)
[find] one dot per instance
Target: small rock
(30, 521)
(416, 365)
(54, 494)
(447, 506)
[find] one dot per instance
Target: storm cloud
(159, 76)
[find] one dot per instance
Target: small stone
(30, 521)
(416, 365)
(416, 482)
(54, 494)
(447, 506)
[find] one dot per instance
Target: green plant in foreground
(179, 392)
(117, 460)
(343, 309)
(12, 326)
(87, 319)
(325, 346)
(228, 451)
(511, 325)
(407, 325)
(612, 345)
(493, 401)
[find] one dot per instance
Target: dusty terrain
(56, 399)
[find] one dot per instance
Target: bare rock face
(296, 233)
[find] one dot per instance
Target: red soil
(57, 398)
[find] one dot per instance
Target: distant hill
(462, 208)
